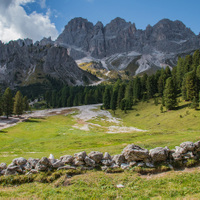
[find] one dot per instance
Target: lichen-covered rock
(135, 153)
(89, 162)
(107, 162)
(177, 156)
(45, 161)
(188, 146)
(133, 164)
(107, 156)
(96, 156)
(3, 166)
(13, 169)
(19, 161)
(118, 159)
(80, 156)
(197, 146)
(43, 165)
(78, 162)
(188, 155)
(180, 150)
(58, 164)
(67, 159)
(159, 154)
(150, 165)
(124, 166)
(33, 162)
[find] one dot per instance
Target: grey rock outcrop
(159, 154)
(135, 153)
(159, 45)
(96, 156)
(20, 62)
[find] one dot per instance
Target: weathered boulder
(107, 162)
(159, 154)
(78, 162)
(45, 161)
(13, 169)
(52, 159)
(57, 164)
(180, 150)
(67, 159)
(89, 162)
(177, 156)
(96, 156)
(19, 161)
(124, 166)
(133, 164)
(43, 165)
(107, 156)
(188, 146)
(135, 153)
(3, 166)
(197, 146)
(80, 156)
(188, 155)
(33, 162)
(118, 159)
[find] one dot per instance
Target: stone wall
(131, 156)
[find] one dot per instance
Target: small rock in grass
(120, 186)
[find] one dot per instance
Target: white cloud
(43, 3)
(15, 23)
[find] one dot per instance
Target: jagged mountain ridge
(23, 63)
(120, 43)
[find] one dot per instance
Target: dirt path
(85, 114)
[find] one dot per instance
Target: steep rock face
(22, 63)
(166, 38)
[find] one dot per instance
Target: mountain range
(118, 45)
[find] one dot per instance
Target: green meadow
(56, 135)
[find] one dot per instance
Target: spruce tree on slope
(18, 103)
(7, 101)
(170, 95)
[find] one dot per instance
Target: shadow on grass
(182, 106)
(32, 121)
(2, 131)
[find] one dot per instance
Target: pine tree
(18, 103)
(121, 94)
(113, 103)
(170, 95)
(7, 102)
(191, 85)
(106, 98)
(25, 104)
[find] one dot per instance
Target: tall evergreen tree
(7, 101)
(170, 95)
(106, 98)
(25, 104)
(113, 103)
(18, 103)
(191, 85)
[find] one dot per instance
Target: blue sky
(53, 15)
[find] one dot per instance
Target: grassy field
(40, 137)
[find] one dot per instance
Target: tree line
(13, 105)
(69, 96)
(183, 80)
